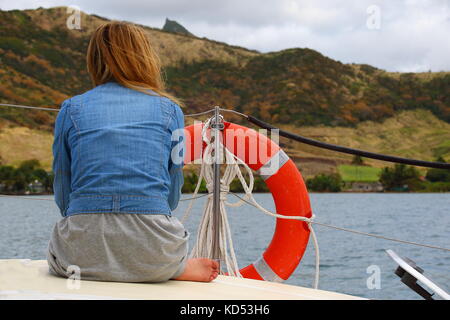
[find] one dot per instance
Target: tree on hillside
(438, 175)
(28, 168)
(400, 177)
(29, 165)
(325, 183)
(7, 176)
(358, 161)
(18, 180)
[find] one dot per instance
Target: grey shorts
(118, 247)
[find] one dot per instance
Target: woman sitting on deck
(118, 174)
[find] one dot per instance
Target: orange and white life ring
(288, 190)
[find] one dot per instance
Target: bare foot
(200, 269)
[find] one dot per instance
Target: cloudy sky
(396, 35)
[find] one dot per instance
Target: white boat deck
(30, 279)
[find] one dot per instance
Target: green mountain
(42, 62)
(303, 87)
(175, 27)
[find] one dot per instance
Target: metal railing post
(216, 126)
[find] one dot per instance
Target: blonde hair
(121, 52)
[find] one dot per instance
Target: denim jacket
(112, 153)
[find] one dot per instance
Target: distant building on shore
(35, 187)
(365, 187)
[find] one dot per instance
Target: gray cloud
(413, 34)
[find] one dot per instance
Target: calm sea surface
(25, 227)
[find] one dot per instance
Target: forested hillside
(42, 62)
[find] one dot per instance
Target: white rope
(202, 247)
(205, 234)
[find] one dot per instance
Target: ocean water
(348, 261)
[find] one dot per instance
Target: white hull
(29, 279)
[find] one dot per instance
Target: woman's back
(120, 146)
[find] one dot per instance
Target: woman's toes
(200, 269)
(214, 275)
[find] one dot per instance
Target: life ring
(288, 189)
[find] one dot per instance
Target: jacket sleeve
(176, 161)
(62, 160)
